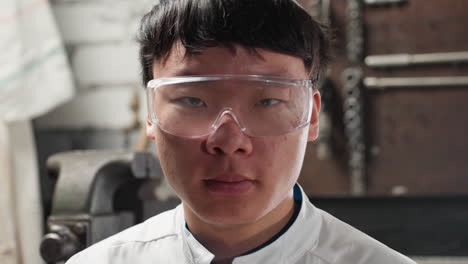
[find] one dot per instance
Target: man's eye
(268, 102)
(191, 101)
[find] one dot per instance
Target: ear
(314, 119)
(150, 129)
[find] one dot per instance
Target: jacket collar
(302, 236)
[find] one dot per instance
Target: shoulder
(132, 241)
(340, 243)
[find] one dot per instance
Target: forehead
(237, 60)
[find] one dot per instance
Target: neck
(229, 241)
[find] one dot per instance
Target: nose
(228, 137)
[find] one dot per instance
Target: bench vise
(96, 195)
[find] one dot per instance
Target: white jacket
(315, 237)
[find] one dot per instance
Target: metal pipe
(405, 60)
(412, 82)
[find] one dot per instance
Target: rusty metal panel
(416, 138)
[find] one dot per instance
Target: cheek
(165, 154)
(175, 155)
(284, 155)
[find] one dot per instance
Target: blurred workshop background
(391, 158)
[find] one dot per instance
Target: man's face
(205, 172)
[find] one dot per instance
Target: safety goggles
(195, 106)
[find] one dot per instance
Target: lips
(229, 183)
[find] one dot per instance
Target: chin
(226, 220)
(231, 214)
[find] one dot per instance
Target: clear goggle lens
(195, 106)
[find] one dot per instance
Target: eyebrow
(180, 72)
(186, 72)
(191, 72)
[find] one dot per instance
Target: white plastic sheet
(34, 78)
(20, 200)
(34, 73)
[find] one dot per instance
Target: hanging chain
(355, 31)
(354, 128)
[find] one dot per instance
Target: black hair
(278, 25)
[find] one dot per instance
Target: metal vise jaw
(96, 196)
